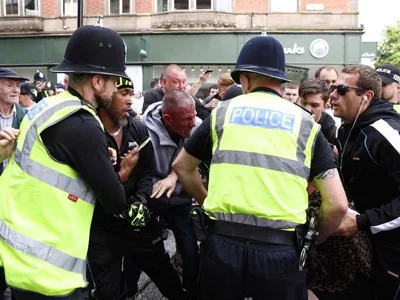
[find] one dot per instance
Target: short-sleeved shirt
(199, 145)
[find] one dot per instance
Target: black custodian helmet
(262, 55)
(94, 50)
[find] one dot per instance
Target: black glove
(137, 214)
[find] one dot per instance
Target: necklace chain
(117, 132)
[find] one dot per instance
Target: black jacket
(156, 95)
(139, 184)
(370, 167)
(328, 127)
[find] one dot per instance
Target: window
(284, 6)
(165, 5)
(203, 4)
(31, 8)
(224, 5)
(12, 7)
(162, 6)
(70, 7)
(181, 4)
(24, 7)
(118, 7)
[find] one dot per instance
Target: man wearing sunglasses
(369, 145)
(390, 76)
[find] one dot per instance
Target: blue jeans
(178, 219)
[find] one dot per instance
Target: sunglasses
(342, 89)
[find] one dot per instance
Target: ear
(163, 81)
(167, 118)
(367, 98)
(96, 81)
(398, 89)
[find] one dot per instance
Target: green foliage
(389, 49)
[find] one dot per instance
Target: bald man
(174, 78)
(169, 123)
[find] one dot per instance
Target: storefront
(148, 54)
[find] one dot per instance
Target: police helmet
(262, 55)
(39, 76)
(8, 73)
(94, 50)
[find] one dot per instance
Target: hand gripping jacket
(45, 209)
(262, 149)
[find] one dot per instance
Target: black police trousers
(146, 250)
(233, 268)
(25, 295)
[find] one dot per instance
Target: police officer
(263, 151)
(60, 166)
(40, 91)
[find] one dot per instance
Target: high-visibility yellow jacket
(45, 208)
(262, 150)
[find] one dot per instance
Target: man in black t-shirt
(73, 142)
(261, 153)
(112, 238)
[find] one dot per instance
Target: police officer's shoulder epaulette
(306, 110)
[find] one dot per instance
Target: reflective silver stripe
(220, 121)
(77, 186)
(263, 160)
(252, 220)
(41, 251)
(304, 133)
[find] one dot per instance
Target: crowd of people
(91, 185)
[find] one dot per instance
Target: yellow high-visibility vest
(396, 107)
(45, 208)
(262, 150)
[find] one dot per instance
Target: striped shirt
(7, 121)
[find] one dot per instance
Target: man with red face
(169, 123)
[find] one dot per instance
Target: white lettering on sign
(366, 55)
(295, 50)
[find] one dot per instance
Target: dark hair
(368, 78)
(288, 85)
(154, 82)
(318, 72)
(232, 92)
(314, 86)
(214, 86)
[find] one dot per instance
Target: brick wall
(95, 7)
(330, 5)
(255, 6)
(49, 8)
(144, 6)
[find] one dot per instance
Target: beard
(123, 122)
(103, 101)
